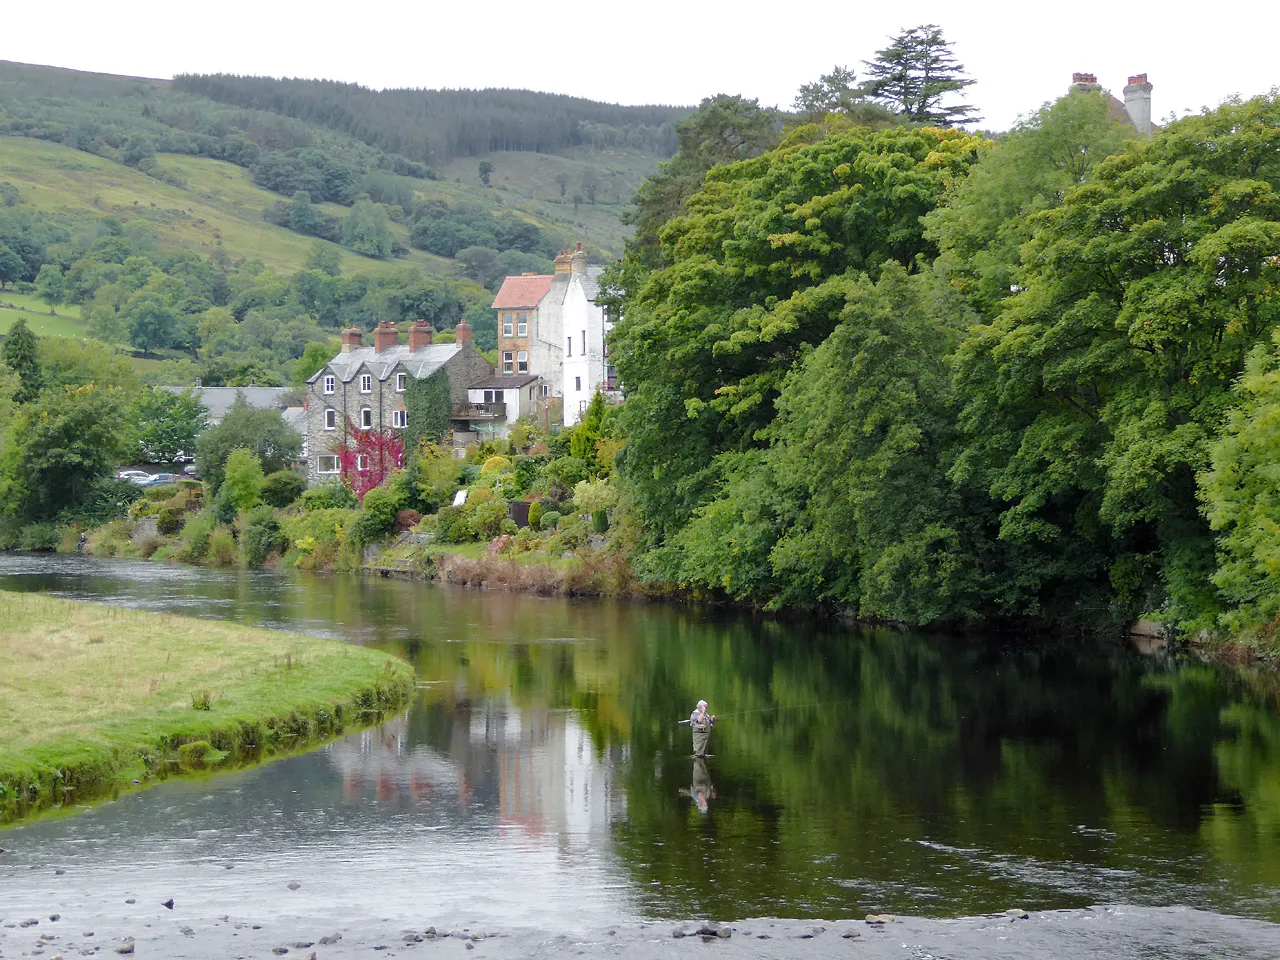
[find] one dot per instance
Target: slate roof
(591, 282)
(500, 382)
(296, 417)
(421, 363)
(219, 400)
(522, 292)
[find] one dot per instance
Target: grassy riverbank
(92, 697)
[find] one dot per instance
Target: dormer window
(329, 384)
(401, 379)
(366, 383)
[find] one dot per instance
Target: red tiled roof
(519, 292)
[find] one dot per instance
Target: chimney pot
(352, 339)
(1137, 103)
(462, 332)
(420, 335)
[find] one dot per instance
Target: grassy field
(219, 206)
(66, 324)
(95, 696)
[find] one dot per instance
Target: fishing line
(799, 706)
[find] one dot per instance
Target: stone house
(363, 388)
(1136, 108)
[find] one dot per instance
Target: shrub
(320, 526)
(508, 526)
(564, 473)
(225, 510)
(282, 488)
(377, 516)
(260, 536)
(486, 519)
(222, 547)
(196, 533)
(69, 539)
(495, 465)
(535, 514)
(150, 546)
(549, 520)
(242, 484)
(169, 520)
(164, 491)
(38, 536)
(329, 496)
(407, 520)
(452, 526)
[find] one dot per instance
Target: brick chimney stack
(352, 339)
(1137, 103)
(564, 263)
(385, 336)
(420, 334)
(462, 333)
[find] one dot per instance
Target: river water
(541, 782)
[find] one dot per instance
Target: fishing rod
(798, 706)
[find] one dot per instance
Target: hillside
(263, 141)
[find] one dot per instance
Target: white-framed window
(506, 324)
(584, 341)
(582, 406)
(330, 418)
(362, 462)
(522, 325)
(546, 389)
(577, 384)
(508, 359)
(366, 418)
(570, 345)
(366, 383)
(329, 384)
(522, 362)
(399, 418)
(401, 380)
(327, 464)
(493, 396)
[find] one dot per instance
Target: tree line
(936, 378)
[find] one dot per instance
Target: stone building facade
(363, 388)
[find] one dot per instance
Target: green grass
(219, 206)
(94, 696)
(66, 324)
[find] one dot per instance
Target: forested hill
(436, 126)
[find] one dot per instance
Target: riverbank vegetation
(95, 697)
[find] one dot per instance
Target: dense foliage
(937, 380)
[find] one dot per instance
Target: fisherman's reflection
(701, 789)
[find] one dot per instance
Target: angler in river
(701, 722)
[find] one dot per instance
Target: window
(366, 417)
(326, 464)
(570, 347)
(328, 384)
(546, 389)
(366, 383)
(584, 341)
(522, 362)
(507, 360)
(401, 379)
(493, 396)
(362, 462)
(330, 419)
(577, 384)
(582, 406)
(399, 418)
(506, 324)
(522, 325)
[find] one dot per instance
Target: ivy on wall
(429, 405)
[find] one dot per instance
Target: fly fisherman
(701, 722)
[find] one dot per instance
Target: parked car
(158, 478)
(133, 476)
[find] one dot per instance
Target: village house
(550, 327)
(363, 388)
(1136, 108)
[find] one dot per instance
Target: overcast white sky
(665, 51)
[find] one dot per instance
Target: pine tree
(21, 353)
(914, 73)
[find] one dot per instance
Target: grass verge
(93, 698)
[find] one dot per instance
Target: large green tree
(914, 74)
(839, 92)
(22, 356)
(1093, 398)
(262, 432)
(168, 424)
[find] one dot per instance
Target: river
(541, 786)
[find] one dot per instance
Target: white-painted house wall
(584, 360)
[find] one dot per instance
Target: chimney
(420, 334)
(1084, 81)
(564, 263)
(462, 332)
(351, 339)
(578, 262)
(1137, 103)
(384, 336)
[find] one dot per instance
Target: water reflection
(853, 771)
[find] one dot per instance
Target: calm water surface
(541, 777)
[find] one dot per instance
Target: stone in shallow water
(879, 918)
(293, 885)
(1016, 914)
